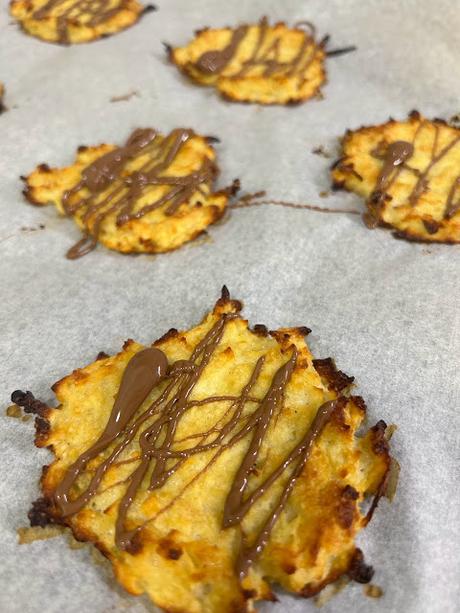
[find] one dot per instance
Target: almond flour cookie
(409, 174)
(76, 21)
(263, 63)
(213, 464)
(151, 195)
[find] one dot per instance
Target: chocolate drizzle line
(395, 157)
(97, 10)
(158, 459)
(341, 51)
(215, 61)
(250, 200)
(122, 191)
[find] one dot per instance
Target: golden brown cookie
(76, 21)
(215, 463)
(152, 194)
(409, 174)
(263, 63)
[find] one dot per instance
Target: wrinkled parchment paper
(387, 310)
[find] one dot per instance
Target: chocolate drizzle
(394, 157)
(267, 57)
(143, 372)
(159, 458)
(396, 154)
(250, 200)
(122, 190)
(97, 11)
(212, 62)
(453, 199)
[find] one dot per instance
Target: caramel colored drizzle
(124, 190)
(149, 368)
(394, 162)
(97, 10)
(215, 61)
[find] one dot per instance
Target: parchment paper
(387, 310)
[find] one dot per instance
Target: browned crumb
(37, 533)
(322, 152)
(324, 194)
(373, 591)
(40, 226)
(14, 411)
(2, 106)
(125, 97)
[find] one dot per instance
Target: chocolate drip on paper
(113, 191)
(96, 10)
(251, 200)
(215, 61)
(158, 459)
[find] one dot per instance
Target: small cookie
(256, 63)
(75, 21)
(151, 195)
(212, 465)
(409, 173)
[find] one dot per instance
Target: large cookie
(215, 463)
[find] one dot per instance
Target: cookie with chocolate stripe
(76, 21)
(262, 63)
(150, 195)
(409, 174)
(213, 464)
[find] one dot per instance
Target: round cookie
(151, 195)
(409, 174)
(262, 63)
(76, 21)
(213, 465)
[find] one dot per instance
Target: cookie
(263, 63)
(151, 195)
(213, 464)
(409, 174)
(76, 21)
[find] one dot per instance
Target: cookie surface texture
(228, 462)
(261, 63)
(75, 21)
(151, 195)
(409, 174)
